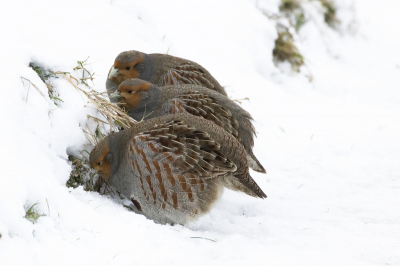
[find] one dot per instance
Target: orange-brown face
(126, 70)
(130, 94)
(100, 160)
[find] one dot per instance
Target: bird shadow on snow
(234, 213)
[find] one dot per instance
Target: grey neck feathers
(115, 159)
(111, 87)
(117, 144)
(146, 68)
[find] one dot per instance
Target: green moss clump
(286, 50)
(289, 5)
(83, 175)
(294, 12)
(330, 13)
(46, 75)
(32, 214)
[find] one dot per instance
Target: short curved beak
(113, 73)
(115, 95)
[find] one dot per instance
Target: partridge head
(127, 65)
(101, 158)
(133, 93)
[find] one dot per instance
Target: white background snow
(331, 147)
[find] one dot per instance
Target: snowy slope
(330, 146)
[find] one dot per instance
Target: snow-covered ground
(331, 147)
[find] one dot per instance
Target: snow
(330, 146)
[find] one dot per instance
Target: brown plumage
(159, 69)
(174, 167)
(143, 100)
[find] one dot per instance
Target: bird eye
(128, 68)
(99, 163)
(130, 91)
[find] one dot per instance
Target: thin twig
(22, 79)
(48, 208)
(240, 100)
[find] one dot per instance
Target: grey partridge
(174, 167)
(143, 100)
(159, 69)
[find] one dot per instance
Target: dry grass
(36, 87)
(114, 119)
(286, 50)
(89, 76)
(114, 116)
(241, 100)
